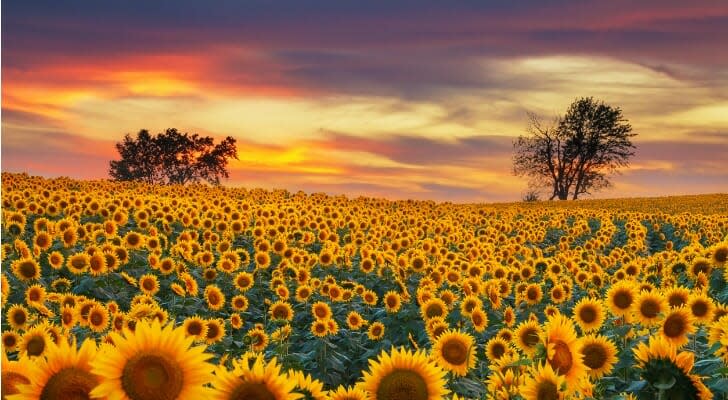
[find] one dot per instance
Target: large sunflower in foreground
(454, 351)
(64, 373)
(544, 384)
(15, 374)
(563, 350)
(153, 362)
(663, 366)
(260, 380)
(402, 374)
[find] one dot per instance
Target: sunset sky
(397, 99)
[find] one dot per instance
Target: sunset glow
(371, 99)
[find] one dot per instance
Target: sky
(396, 99)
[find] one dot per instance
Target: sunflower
(98, 318)
(469, 304)
(496, 348)
(589, 314)
(55, 259)
(402, 374)
(196, 327)
(479, 319)
(321, 310)
(600, 355)
(720, 254)
(533, 294)
(563, 350)
(153, 362)
(355, 321)
(620, 298)
(149, 284)
(18, 316)
(676, 326)
(133, 240)
(454, 351)
(700, 265)
(307, 386)
(661, 364)
(239, 303)
(701, 307)
(320, 328)
(35, 342)
(78, 263)
(433, 307)
(677, 296)
(281, 310)
(528, 336)
(243, 281)
(260, 381)
(97, 264)
(544, 384)
(214, 297)
(236, 321)
(15, 374)
(64, 373)
(215, 330)
(10, 340)
(392, 301)
(648, 307)
(348, 393)
(26, 269)
(376, 331)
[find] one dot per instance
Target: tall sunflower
(402, 374)
(528, 336)
(260, 381)
(64, 373)
(667, 370)
(544, 384)
(153, 362)
(455, 352)
(563, 350)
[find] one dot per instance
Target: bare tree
(575, 154)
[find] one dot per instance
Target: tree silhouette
(172, 157)
(576, 153)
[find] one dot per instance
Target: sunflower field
(134, 291)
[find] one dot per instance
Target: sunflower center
(152, 376)
(562, 359)
(251, 391)
(699, 308)
(402, 385)
(676, 300)
(69, 383)
(530, 337)
(27, 269)
(194, 328)
(10, 383)
(19, 318)
(280, 313)
(96, 319)
(433, 311)
(547, 391)
(455, 352)
(649, 308)
(588, 314)
(674, 326)
(36, 345)
(721, 255)
(594, 356)
(623, 300)
(498, 350)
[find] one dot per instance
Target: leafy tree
(575, 154)
(172, 157)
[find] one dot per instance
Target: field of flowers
(133, 291)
